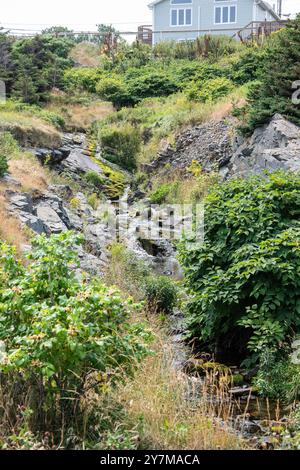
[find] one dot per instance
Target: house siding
(203, 15)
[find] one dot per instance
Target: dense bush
(280, 69)
(114, 90)
(248, 66)
(149, 83)
(82, 79)
(59, 336)
(161, 294)
(93, 178)
(209, 90)
(120, 144)
(278, 378)
(244, 278)
(3, 165)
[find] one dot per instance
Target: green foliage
(82, 79)
(278, 379)
(149, 83)
(248, 66)
(209, 90)
(8, 145)
(161, 294)
(280, 68)
(58, 331)
(245, 276)
(120, 144)
(3, 165)
(114, 90)
(159, 195)
(93, 178)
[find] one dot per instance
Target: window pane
(181, 17)
(188, 16)
(232, 14)
(180, 2)
(225, 15)
(218, 15)
(174, 18)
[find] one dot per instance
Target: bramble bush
(244, 279)
(59, 335)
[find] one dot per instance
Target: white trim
(184, 24)
(227, 22)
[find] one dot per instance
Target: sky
(126, 14)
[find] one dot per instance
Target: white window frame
(227, 5)
(177, 10)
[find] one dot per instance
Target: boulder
(274, 146)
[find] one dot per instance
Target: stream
(149, 232)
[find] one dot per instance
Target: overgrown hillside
(131, 342)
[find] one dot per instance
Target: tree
(281, 68)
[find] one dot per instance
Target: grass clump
(161, 294)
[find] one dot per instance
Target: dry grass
(176, 413)
(79, 117)
(24, 168)
(86, 54)
(29, 172)
(10, 228)
(29, 130)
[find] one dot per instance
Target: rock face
(274, 146)
(48, 213)
(210, 144)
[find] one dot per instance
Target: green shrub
(247, 67)
(120, 144)
(114, 90)
(280, 69)
(3, 165)
(60, 336)
(93, 178)
(279, 379)
(144, 83)
(161, 294)
(244, 278)
(8, 145)
(82, 79)
(209, 90)
(159, 195)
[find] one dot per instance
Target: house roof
(265, 5)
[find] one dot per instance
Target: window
(225, 14)
(181, 16)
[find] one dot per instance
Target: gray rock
(50, 219)
(20, 201)
(274, 146)
(33, 222)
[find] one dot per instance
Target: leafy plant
(114, 90)
(161, 294)
(61, 334)
(244, 276)
(209, 90)
(120, 144)
(3, 165)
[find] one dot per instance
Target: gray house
(182, 20)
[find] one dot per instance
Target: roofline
(267, 7)
(261, 3)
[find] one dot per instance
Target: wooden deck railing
(258, 30)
